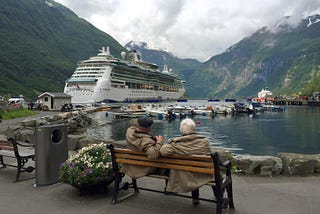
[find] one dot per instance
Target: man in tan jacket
(139, 139)
(189, 143)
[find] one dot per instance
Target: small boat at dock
(133, 110)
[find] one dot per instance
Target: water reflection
(295, 130)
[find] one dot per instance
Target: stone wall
(77, 123)
(282, 164)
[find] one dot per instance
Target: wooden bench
(222, 187)
(12, 149)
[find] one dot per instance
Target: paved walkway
(252, 195)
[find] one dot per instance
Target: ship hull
(122, 95)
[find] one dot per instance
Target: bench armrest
(226, 164)
(25, 144)
(20, 143)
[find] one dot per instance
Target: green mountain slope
(40, 44)
(286, 59)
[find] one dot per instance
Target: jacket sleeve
(151, 148)
(167, 149)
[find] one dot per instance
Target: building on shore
(54, 100)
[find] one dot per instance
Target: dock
(299, 102)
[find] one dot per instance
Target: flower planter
(89, 170)
(85, 189)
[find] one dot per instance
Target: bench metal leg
(19, 168)
(117, 181)
(218, 194)
(230, 196)
(134, 185)
(1, 160)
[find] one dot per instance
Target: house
(54, 100)
(2, 101)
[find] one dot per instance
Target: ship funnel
(165, 68)
(123, 55)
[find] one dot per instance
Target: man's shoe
(195, 201)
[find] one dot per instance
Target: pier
(290, 102)
(300, 102)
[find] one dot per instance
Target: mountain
(40, 44)
(285, 58)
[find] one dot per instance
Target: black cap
(145, 122)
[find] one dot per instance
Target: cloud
(187, 28)
(87, 9)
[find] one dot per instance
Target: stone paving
(252, 195)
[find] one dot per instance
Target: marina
(295, 129)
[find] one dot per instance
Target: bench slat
(7, 153)
(10, 149)
(177, 161)
(6, 146)
(211, 183)
(191, 157)
(162, 165)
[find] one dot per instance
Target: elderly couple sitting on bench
(189, 143)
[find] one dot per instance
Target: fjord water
(297, 130)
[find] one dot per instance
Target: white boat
(264, 96)
(104, 78)
(133, 110)
(223, 108)
(17, 102)
(204, 111)
(158, 111)
(270, 107)
(264, 93)
(256, 107)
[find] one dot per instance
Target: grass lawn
(21, 112)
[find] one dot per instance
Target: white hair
(187, 126)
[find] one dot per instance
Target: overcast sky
(195, 29)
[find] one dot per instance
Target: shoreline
(262, 165)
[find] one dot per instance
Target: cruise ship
(105, 78)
